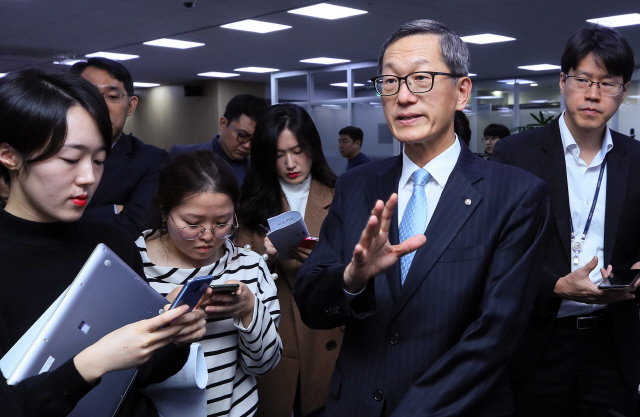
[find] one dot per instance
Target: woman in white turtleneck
(289, 172)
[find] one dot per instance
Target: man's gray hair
(454, 51)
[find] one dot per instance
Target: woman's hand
(299, 254)
(240, 304)
(132, 345)
(270, 251)
(193, 324)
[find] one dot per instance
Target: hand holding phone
(192, 292)
(621, 280)
(225, 288)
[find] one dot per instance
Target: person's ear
(223, 123)
(133, 103)
(10, 158)
(464, 91)
(562, 83)
(359, 142)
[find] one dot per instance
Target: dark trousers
(577, 375)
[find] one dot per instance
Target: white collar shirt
(582, 180)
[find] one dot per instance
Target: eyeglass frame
(104, 95)
(204, 229)
(238, 135)
(591, 83)
(405, 78)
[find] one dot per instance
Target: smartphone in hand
(620, 280)
(225, 288)
(192, 291)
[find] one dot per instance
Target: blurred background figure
(349, 144)
(461, 127)
(492, 134)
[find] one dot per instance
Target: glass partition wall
(342, 95)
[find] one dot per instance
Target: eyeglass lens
(417, 83)
(583, 84)
(221, 231)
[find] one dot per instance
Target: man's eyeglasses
(606, 88)
(243, 137)
(195, 231)
(417, 82)
(114, 96)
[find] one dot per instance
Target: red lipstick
(293, 175)
(80, 200)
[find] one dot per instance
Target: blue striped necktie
(414, 219)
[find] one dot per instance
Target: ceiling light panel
(173, 43)
(617, 21)
(259, 70)
(327, 11)
(113, 56)
(540, 67)
(325, 61)
(145, 85)
(257, 26)
(511, 82)
(486, 38)
(346, 85)
(67, 61)
(215, 74)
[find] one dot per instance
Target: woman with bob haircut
(55, 134)
(289, 172)
(197, 194)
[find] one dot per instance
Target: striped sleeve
(260, 344)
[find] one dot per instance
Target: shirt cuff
(115, 208)
(351, 296)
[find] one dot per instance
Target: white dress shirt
(439, 167)
(582, 180)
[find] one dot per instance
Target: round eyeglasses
(242, 137)
(606, 88)
(417, 82)
(195, 231)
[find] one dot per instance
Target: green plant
(540, 121)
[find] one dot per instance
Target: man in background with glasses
(428, 258)
(236, 131)
(132, 170)
(580, 354)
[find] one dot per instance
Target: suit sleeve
(138, 209)
(319, 286)
(457, 382)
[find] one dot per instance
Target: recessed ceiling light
(174, 43)
(67, 61)
(471, 74)
(327, 11)
(636, 97)
(486, 38)
(533, 85)
(617, 21)
(145, 85)
(112, 55)
(2, 74)
(257, 26)
(346, 85)
(488, 97)
(259, 70)
(511, 82)
(540, 101)
(325, 61)
(540, 67)
(218, 74)
(332, 106)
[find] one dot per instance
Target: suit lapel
(387, 184)
(115, 163)
(458, 201)
(617, 171)
(554, 168)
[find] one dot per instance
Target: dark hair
(261, 194)
(454, 51)
(194, 173)
(495, 129)
(355, 133)
(251, 106)
(33, 112)
(114, 68)
(461, 127)
(610, 50)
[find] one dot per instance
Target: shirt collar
(439, 167)
(570, 146)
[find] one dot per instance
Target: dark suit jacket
(540, 152)
(239, 167)
(130, 178)
(438, 345)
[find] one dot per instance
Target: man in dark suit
(131, 172)
(236, 130)
(430, 335)
(580, 353)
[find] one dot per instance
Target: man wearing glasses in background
(580, 354)
(132, 169)
(236, 130)
(430, 322)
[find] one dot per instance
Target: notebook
(105, 295)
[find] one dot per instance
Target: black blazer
(540, 151)
(439, 344)
(130, 178)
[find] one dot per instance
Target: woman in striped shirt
(197, 194)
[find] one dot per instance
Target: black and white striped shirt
(233, 354)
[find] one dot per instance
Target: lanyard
(577, 245)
